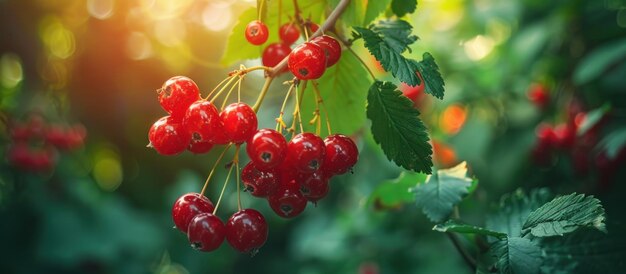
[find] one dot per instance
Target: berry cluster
(194, 123)
(193, 214)
(307, 61)
(290, 174)
(35, 143)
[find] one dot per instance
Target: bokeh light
(11, 72)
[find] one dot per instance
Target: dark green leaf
(432, 78)
(455, 226)
(442, 191)
(565, 214)
(614, 142)
(517, 255)
(402, 7)
(599, 61)
(592, 118)
(397, 128)
(514, 209)
(396, 192)
(374, 9)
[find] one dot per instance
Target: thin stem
(260, 10)
(362, 62)
(280, 124)
(218, 85)
(299, 103)
(239, 90)
(262, 94)
(230, 91)
(469, 260)
(219, 200)
(218, 93)
(321, 100)
(330, 22)
(206, 183)
(238, 179)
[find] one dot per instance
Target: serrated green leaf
(374, 9)
(599, 61)
(238, 48)
(442, 191)
(517, 255)
(585, 251)
(343, 90)
(432, 78)
(614, 142)
(397, 128)
(402, 7)
(565, 214)
(514, 209)
(458, 227)
(396, 192)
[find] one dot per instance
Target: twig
(469, 260)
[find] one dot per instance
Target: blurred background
(535, 97)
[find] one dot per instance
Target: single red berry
(56, 136)
(305, 152)
(267, 149)
(176, 94)
(239, 121)
(313, 27)
(41, 160)
(288, 33)
(331, 48)
(546, 141)
(314, 186)
(307, 61)
(188, 206)
(341, 154)
(274, 53)
(288, 201)
(201, 147)
(246, 230)
(259, 183)
(203, 123)
(18, 154)
(168, 136)
(538, 94)
(256, 32)
(206, 232)
(565, 136)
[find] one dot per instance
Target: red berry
(307, 61)
(341, 154)
(187, 207)
(168, 136)
(256, 32)
(538, 94)
(546, 141)
(176, 94)
(203, 123)
(259, 183)
(206, 232)
(288, 33)
(246, 230)
(305, 152)
(274, 53)
(20, 132)
(267, 149)
(565, 136)
(416, 93)
(313, 27)
(314, 186)
(331, 48)
(288, 201)
(240, 122)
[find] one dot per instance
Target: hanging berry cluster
(35, 143)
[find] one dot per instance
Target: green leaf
(565, 214)
(397, 128)
(342, 89)
(374, 9)
(599, 61)
(614, 142)
(592, 118)
(517, 255)
(514, 209)
(442, 191)
(402, 7)
(586, 251)
(396, 192)
(430, 73)
(455, 226)
(353, 14)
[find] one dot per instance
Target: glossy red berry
(239, 121)
(259, 183)
(314, 186)
(288, 33)
(538, 94)
(306, 152)
(288, 201)
(202, 121)
(331, 48)
(341, 154)
(256, 32)
(188, 206)
(274, 53)
(307, 61)
(246, 230)
(168, 136)
(176, 94)
(267, 149)
(206, 232)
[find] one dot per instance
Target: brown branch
(330, 23)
